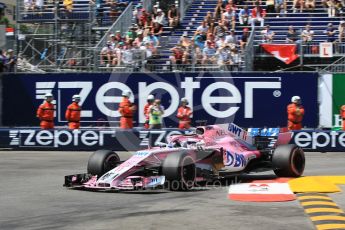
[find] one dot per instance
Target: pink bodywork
(235, 152)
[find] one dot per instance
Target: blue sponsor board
(138, 139)
(247, 99)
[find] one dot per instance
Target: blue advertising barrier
(247, 99)
(136, 139)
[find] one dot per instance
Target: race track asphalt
(32, 197)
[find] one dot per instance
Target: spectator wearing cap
(132, 33)
(160, 18)
(221, 41)
(11, 61)
(199, 45)
(228, 17)
(117, 37)
(258, 15)
(220, 29)
(157, 29)
(139, 41)
(244, 38)
(173, 16)
(267, 34)
(138, 12)
(202, 30)
(244, 16)
(341, 29)
(208, 53)
(154, 10)
(291, 36)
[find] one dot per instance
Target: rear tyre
(288, 161)
(179, 171)
(102, 161)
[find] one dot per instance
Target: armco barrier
(247, 99)
(132, 140)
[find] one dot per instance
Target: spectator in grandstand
(267, 35)
(211, 38)
(199, 45)
(139, 41)
(39, 5)
(223, 55)
(154, 10)
(114, 8)
(341, 29)
(29, 5)
(138, 12)
(218, 10)
(297, 3)
(211, 27)
(11, 61)
(185, 42)
(244, 16)
(127, 55)
(228, 17)
(176, 59)
(339, 8)
(209, 53)
(99, 10)
(184, 114)
(173, 16)
(132, 33)
(231, 4)
(270, 7)
(152, 39)
(221, 41)
(160, 18)
(157, 29)
(156, 112)
(220, 29)
(291, 36)
(331, 8)
(107, 54)
(258, 15)
(116, 54)
(281, 7)
(330, 33)
(117, 37)
(231, 39)
(3, 60)
(68, 5)
(310, 5)
(209, 18)
(307, 34)
(244, 39)
(202, 30)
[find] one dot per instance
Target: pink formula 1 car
(212, 152)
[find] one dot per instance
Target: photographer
(156, 112)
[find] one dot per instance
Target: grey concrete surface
(32, 197)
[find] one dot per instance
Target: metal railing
(249, 52)
(122, 23)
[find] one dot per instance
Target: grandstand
(53, 39)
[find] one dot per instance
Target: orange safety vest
(295, 116)
(126, 121)
(184, 114)
(45, 112)
(73, 112)
(342, 115)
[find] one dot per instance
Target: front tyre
(179, 171)
(102, 161)
(288, 161)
